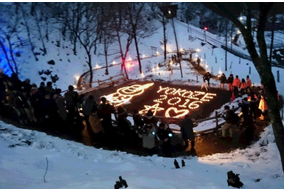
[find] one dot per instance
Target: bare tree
(259, 57)
(141, 25)
(105, 31)
(120, 27)
(11, 42)
(84, 28)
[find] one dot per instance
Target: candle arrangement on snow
(125, 94)
(172, 102)
(179, 101)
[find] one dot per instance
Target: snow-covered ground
(34, 160)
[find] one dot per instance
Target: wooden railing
(103, 83)
(215, 129)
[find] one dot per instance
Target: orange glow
(125, 94)
(181, 101)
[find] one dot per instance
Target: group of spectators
(235, 85)
(64, 111)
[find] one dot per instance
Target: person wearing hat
(150, 119)
(105, 111)
(187, 132)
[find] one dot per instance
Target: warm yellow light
(125, 94)
(180, 98)
(157, 53)
(179, 113)
(77, 77)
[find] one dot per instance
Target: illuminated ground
(165, 99)
(205, 145)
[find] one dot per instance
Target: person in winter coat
(61, 106)
(88, 106)
(123, 124)
(236, 85)
(223, 80)
(245, 105)
(3, 85)
(263, 107)
(105, 111)
(165, 135)
(243, 86)
(137, 119)
(207, 78)
(97, 130)
(49, 111)
(148, 135)
(230, 82)
(249, 84)
(229, 124)
(187, 132)
(71, 97)
(150, 119)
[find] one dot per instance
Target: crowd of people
(67, 111)
(64, 111)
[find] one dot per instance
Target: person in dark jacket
(245, 105)
(223, 80)
(49, 111)
(3, 85)
(230, 82)
(150, 119)
(207, 78)
(229, 124)
(165, 135)
(123, 124)
(105, 111)
(187, 132)
(71, 98)
(137, 119)
(89, 105)
(61, 106)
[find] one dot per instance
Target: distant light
(157, 53)
(142, 74)
(169, 12)
(129, 58)
(198, 50)
(144, 56)
(97, 66)
(241, 18)
(113, 62)
(77, 77)
(205, 28)
(220, 72)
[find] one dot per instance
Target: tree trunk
(138, 55)
(165, 39)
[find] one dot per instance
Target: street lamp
(205, 29)
(170, 12)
